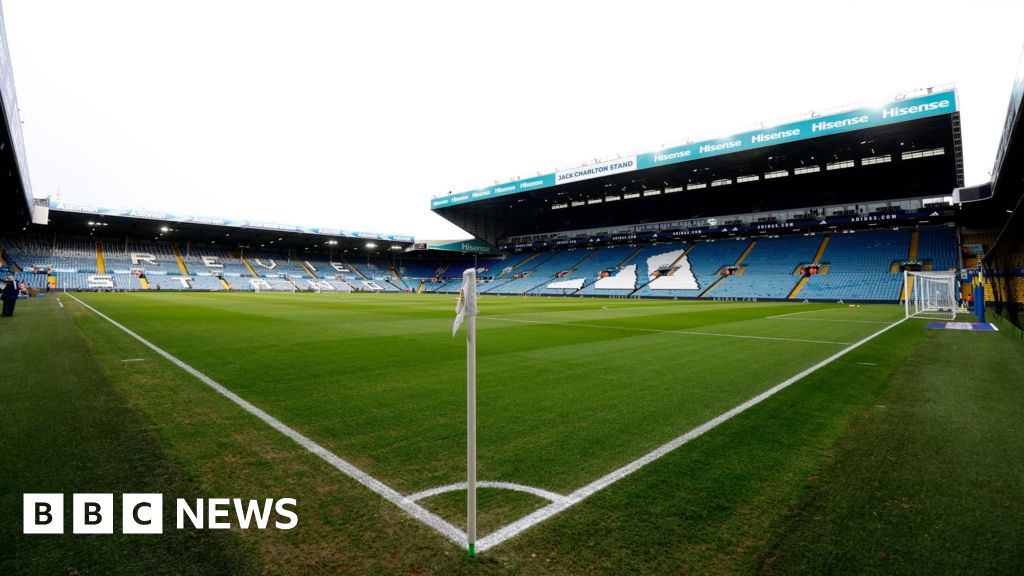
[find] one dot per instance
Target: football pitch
(617, 436)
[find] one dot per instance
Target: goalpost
(930, 295)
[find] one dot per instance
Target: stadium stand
(938, 247)
(275, 264)
(769, 270)
(588, 270)
(705, 260)
(216, 261)
(858, 266)
(640, 260)
(863, 265)
(540, 272)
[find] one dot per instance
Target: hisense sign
(900, 111)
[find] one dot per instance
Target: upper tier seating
(938, 245)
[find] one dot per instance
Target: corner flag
(465, 309)
(467, 299)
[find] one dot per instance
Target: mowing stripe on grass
(515, 528)
(683, 332)
(390, 494)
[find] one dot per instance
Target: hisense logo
(144, 513)
(897, 111)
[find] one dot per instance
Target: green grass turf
(582, 388)
(930, 480)
(65, 427)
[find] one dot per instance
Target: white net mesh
(930, 295)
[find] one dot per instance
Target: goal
(930, 295)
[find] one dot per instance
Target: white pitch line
(526, 522)
(415, 510)
(59, 303)
(806, 312)
(540, 492)
(829, 320)
(684, 332)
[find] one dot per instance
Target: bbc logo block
(43, 514)
(144, 513)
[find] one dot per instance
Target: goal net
(930, 295)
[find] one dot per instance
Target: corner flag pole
(466, 309)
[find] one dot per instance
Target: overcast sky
(354, 114)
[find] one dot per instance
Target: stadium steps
(746, 252)
(100, 266)
(248, 266)
(306, 268)
(648, 279)
(530, 259)
(394, 273)
(225, 283)
(796, 289)
(422, 284)
(716, 283)
(817, 259)
(821, 249)
(181, 263)
(628, 258)
(144, 282)
(541, 262)
(544, 284)
(580, 263)
(353, 268)
(915, 239)
(676, 261)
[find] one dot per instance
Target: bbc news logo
(144, 513)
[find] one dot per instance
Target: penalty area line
(388, 493)
(514, 529)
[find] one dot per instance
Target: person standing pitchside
(9, 297)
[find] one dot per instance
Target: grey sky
(354, 114)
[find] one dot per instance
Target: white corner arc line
(540, 492)
(538, 516)
(683, 332)
(390, 494)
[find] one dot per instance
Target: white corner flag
(465, 309)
